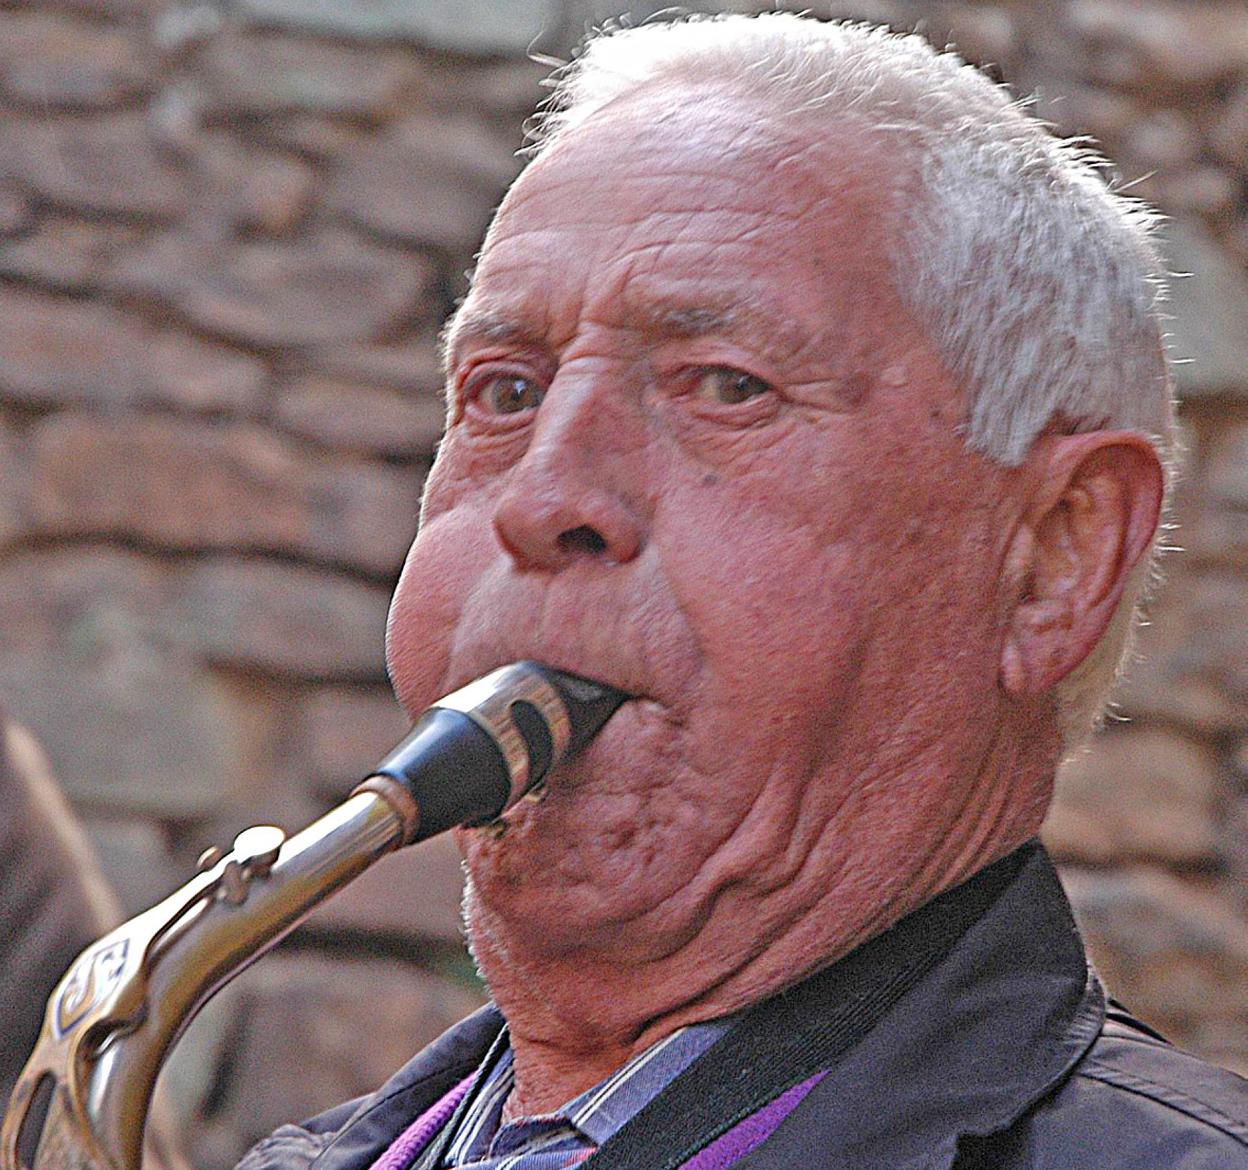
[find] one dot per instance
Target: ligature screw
(255, 850)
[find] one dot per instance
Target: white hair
(1038, 286)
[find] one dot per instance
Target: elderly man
(814, 395)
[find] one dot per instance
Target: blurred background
(228, 234)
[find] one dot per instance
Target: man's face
(698, 451)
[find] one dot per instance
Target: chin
(564, 878)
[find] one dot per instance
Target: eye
(509, 394)
(727, 386)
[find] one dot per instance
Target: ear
(1091, 517)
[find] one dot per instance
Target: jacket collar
(989, 1028)
(354, 1135)
(988, 1033)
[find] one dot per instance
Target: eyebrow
(774, 335)
(479, 326)
(667, 317)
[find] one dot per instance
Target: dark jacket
(971, 1035)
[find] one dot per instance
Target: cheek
(442, 567)
(780, 630)
(773, 583)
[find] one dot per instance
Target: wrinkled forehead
(688, 143)
(686, 199)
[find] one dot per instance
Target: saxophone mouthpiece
(473, 754)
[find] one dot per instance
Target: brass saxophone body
(82, 1100)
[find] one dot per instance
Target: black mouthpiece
(590, 704)
(473, 754)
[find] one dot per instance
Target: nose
(569, 498)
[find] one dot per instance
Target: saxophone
(82, 1100)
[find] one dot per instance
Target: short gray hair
(1038, 285)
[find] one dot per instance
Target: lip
(472, 668)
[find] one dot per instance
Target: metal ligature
(82, 1100)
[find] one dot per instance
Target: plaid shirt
(567, 1137)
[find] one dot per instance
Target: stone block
(1219, 645)
(412, 894)
(283, 620)
(64, 253)
(1228, 128)
(981, 33)
(1226, 465)
(66, 351)
(1208, 191)
(91, 600)
(308, 134)
(1137, 793)
(361, 418)
(298, 1033)
(131, 723)
(1172, 43)
(110, 165)
(49, 60)
(326, 288)
(1105, 114)
(1224, 1042)
(346, 732)
(135, 13)
(487, 27)
(257, 74)
(1209, 330)
(244, 191)
(507, 91)
(200, 375)
(16, 211)
(135, 858)
(188, 484)
(1235, 828)
(110, 659)
(61, 352)
(1161, 139)
(1192, 652)
(431, 182)
(1174, 952)
(1235, 237)
(1217, 535)
(14, 487)
(413, 366)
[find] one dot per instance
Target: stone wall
(228, 233)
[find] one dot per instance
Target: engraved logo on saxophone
(93, 979)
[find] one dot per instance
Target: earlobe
(1092, 517)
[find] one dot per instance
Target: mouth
(614, 678)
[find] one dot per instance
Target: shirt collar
(598, 1112)
(610, 1105)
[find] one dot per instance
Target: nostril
(582, 540)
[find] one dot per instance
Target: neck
(577, 1015)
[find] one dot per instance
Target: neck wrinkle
(561, 1046)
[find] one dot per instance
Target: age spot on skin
(856, 389)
